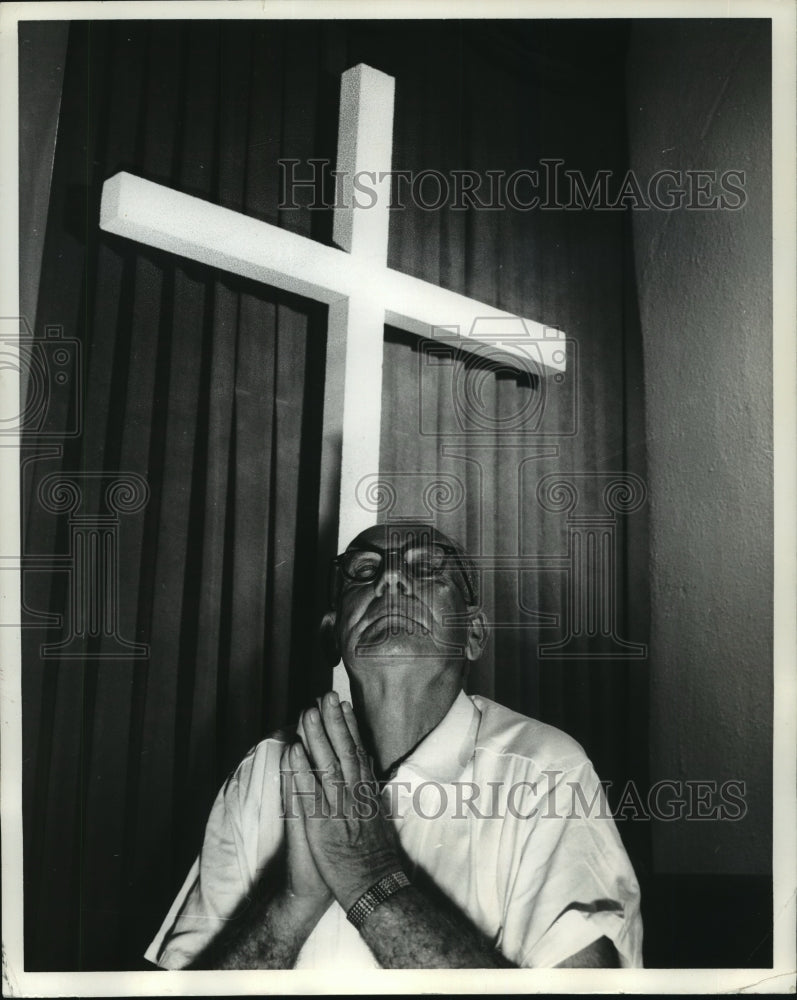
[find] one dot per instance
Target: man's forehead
(384, 536)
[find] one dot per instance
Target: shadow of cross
(361, 291)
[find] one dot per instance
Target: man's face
(402, 595)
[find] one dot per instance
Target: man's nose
(394, 575)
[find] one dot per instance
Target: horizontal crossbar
(199, 230)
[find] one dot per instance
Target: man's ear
(478, 632)
(329, 638)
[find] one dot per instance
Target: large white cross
(362, 292)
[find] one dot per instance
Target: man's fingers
(306, 793)
(291, 801)
(341, 738)
(363, 760)
(329, 769)
(319, 749)
(332, 740)
(351, 722)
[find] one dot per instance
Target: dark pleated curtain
(210, 388)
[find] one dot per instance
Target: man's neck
(398, 712)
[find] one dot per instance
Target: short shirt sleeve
(229, 863)
(573, 881)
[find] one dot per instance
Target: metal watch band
(378, 893)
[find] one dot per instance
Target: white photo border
(779, 979)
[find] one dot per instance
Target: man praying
(417, 826)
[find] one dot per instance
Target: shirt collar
(444, 752)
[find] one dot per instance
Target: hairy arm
(268, 934)
(411, 930)
(270, 931)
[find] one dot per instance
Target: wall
(699, 98)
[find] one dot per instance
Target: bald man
(415, 827)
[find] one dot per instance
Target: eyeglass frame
(337, 571)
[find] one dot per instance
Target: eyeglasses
(422, 561)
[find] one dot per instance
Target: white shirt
(505, 814)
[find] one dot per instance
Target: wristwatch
(377, 894)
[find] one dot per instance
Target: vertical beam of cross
(355, 337)
(355, 340)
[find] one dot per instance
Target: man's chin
(395, 635)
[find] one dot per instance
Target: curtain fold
(209, 390)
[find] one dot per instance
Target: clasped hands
(338, 840)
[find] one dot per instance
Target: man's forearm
(411, 930)
(269, 934)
